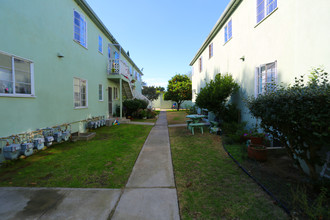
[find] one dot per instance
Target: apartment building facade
(59, 64)
(264, 41)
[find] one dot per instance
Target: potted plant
(255, 136)
(257, 152)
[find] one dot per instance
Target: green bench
(188, 122)
(198, 125)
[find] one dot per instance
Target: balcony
(117, 67)
(118, 70)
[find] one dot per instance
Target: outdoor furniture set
(194, 121)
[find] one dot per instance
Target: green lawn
(150, 120)
(176, 117)
(105, 161)
(209, 183)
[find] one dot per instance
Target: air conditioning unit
(26, 149)
(49, 140)
(39, 143)
(58, 136)
(12, 151)
(66, 135)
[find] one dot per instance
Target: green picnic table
(194, 122)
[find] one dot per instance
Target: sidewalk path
(150, 192)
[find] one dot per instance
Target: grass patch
(103, 162)
(239, 152)
(176, 117)
(210, 185)
(150, 120)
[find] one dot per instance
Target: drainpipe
(121, 98)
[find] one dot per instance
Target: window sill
(80, 44)
(18, 96)
(227, 41)
(85, 107)
(265, 17)
(101, 52)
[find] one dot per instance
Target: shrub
(131, 106)
(215, 94)
(151, 113)
(143, 103)
(298, 116)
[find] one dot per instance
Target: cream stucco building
(262, 40)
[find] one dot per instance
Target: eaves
(233, 4)
(97, 21)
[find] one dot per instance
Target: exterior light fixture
(242, 58)
(59, 55)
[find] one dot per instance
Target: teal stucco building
(59, 64)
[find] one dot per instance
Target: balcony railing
(118, 67)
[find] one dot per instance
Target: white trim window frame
(228, 31)
(100, 92)
(115, 93)
(109, 52)
(79, 28)
(16, 76)
(265, 8)
(80, 93)
(200, 64)
(211, 50)
(100, 44)
(265, 78)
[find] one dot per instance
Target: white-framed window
(100, 92)
(130, 71)
(264, 8)
(100, 44)
(200, 64)
(109, 51)
(80, 29)
(228, 31)
(80, 93)
(16, 76)
(115, 93)
(210, 50)
(265, 78)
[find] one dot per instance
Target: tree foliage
(214, 95)
(150, 92)
(160, 88)
(179, 89)
(298, 116)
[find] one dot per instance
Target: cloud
(156, 82)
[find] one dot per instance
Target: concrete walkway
(150, 192)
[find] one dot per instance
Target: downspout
(121, 98)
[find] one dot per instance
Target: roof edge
(231, 7)
(92, 15)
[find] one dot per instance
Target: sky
(161, 36)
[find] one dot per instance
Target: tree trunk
(178, 106)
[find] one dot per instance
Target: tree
(150, 92)
(299, 117)
(214, 95)
(179, 89)
(160, 89)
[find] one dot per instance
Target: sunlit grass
(105, 161)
